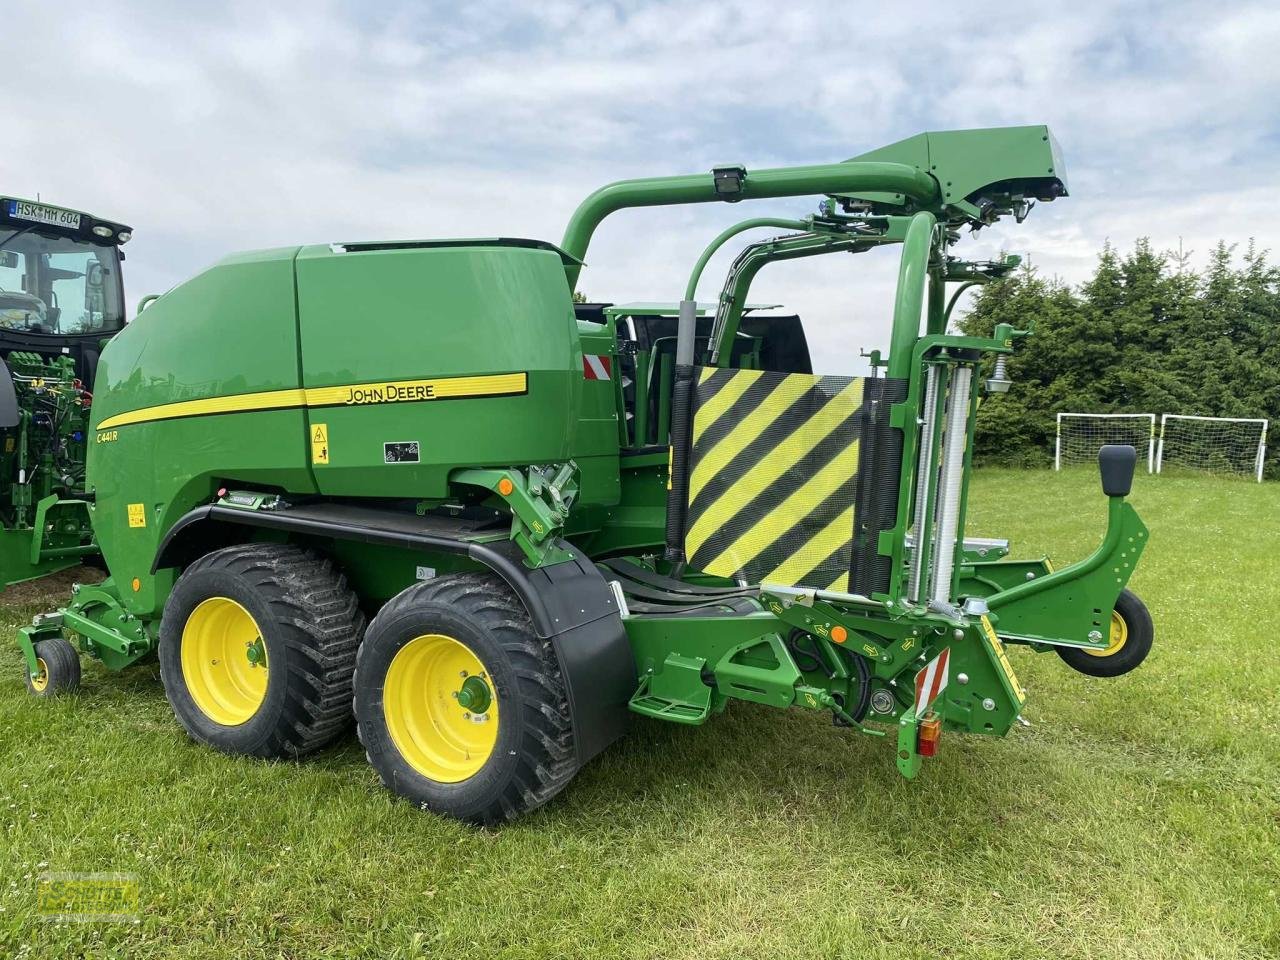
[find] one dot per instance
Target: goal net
(1079, 435)
(1222, 445)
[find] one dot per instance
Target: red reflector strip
(596, 366)
(931, 681)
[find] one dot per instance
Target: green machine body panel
(227, 336)
(378, 319)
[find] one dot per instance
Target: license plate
(39, 213)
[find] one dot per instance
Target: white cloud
(216, 127)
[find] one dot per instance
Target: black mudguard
(582, 620)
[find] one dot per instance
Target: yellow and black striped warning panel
(777, 475)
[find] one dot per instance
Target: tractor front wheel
(58, 668)
(1131, 634)
(459, 704)
(257, 650)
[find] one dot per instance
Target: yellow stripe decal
(401, 391)
(820, 546)
(383, 391)
(240, 403)
(802, 501)
(757, 480)
(716, 407)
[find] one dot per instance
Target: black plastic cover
(879, 472)
(1116, 462)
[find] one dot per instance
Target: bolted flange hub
(475, 695)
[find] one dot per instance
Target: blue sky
(225, 126)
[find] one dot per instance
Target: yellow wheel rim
(440, 708)
(1119, 634)
(40, 680)
(224, 661)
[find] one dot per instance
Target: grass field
(1136, 817)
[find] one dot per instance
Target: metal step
(675, 693)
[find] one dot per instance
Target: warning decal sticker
(319, 443)
(137, 515)
(997, 648)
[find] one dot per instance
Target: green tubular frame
(851, 177)
(913, 271)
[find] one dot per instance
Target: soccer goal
(1227, 445)
(1079, 435)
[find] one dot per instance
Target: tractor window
(54, 284)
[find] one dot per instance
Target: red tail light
(929, 734)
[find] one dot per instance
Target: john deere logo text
(390, 393)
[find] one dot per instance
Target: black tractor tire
(59, 668)
(310, 625)
(532, 757)
(1138, 633)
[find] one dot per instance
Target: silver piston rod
(925, 468)
(956, 418)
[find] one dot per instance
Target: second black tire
(460, 706)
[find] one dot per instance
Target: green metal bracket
(45, 626)
(1073, 605)
(760, 670)
(59, 530)
(539, 501)
(107, 630)
(909, 761)
(889, 634)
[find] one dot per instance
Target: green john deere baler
(418, 478)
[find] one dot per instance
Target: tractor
(61, 299)
(415, 485)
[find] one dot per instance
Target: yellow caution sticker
(998, 648)
(137, 514)
(319, 443)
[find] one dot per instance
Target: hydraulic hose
(691, 291)
(681, 432)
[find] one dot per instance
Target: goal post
(1079, 435)
(1226, 445)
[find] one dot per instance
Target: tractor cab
(59, 273)
(61, 298)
